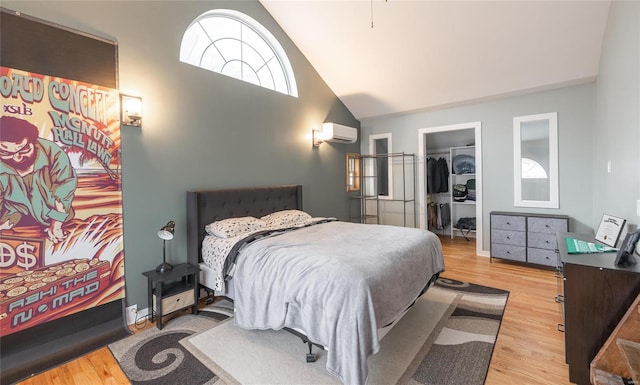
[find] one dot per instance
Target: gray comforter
(338, 282)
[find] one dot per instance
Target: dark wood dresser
(596, 296)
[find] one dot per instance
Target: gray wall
(617, 124)
(575, 124)
(203, 130)
(597, 123)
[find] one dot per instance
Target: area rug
(157, 356)
(446, 338)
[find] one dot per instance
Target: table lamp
(166, 234)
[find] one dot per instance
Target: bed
(336, 284)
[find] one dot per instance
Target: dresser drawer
(515, 253)
(542, 241)
(508, 222)
(507, 237)
(175, 302)
(542, 257)
(527, 237)
(547, 225)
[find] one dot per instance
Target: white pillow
(232, 227)
(286, 218)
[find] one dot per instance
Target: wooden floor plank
(529, 349)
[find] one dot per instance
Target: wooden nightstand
(172, 290)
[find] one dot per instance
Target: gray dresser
(528, 238)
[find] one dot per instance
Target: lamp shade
(166, 232)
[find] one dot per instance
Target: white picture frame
(609, 230)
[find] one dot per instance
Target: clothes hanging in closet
(431, 175)
(439, 215)
(437, 175)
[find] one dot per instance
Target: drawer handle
(509, 223)
(547, 226)
(546, 242)
(508, 252)
(508, 237)
(177, 299)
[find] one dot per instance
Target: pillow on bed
(232, 227)
(286, 218)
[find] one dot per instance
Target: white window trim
(274, 44)
(372, 148)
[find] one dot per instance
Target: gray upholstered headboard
(206, 206)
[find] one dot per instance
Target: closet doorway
(446, 197)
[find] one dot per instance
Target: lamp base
(164, 267)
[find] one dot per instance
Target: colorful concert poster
(61, 229)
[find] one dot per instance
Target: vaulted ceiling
(388, 57)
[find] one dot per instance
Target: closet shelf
(456, 209)
(466, 208)
(465, 230)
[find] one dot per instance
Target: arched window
(532, 169)
(233, 44)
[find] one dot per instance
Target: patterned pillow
(232, 227)
(286, 218)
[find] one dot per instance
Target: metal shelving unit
(370, 212)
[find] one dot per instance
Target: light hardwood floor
(529, 349)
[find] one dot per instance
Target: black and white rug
(158, 357)
(464, 341)
(446, 338)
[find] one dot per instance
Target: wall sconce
(332, 132)
(131, 110)
(317, 137)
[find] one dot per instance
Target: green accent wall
(203, 130)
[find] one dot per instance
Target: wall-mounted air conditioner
(332, 132)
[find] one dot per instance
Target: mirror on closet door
(535, 144)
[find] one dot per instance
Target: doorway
(452, 137)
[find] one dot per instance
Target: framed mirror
(535, 160)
